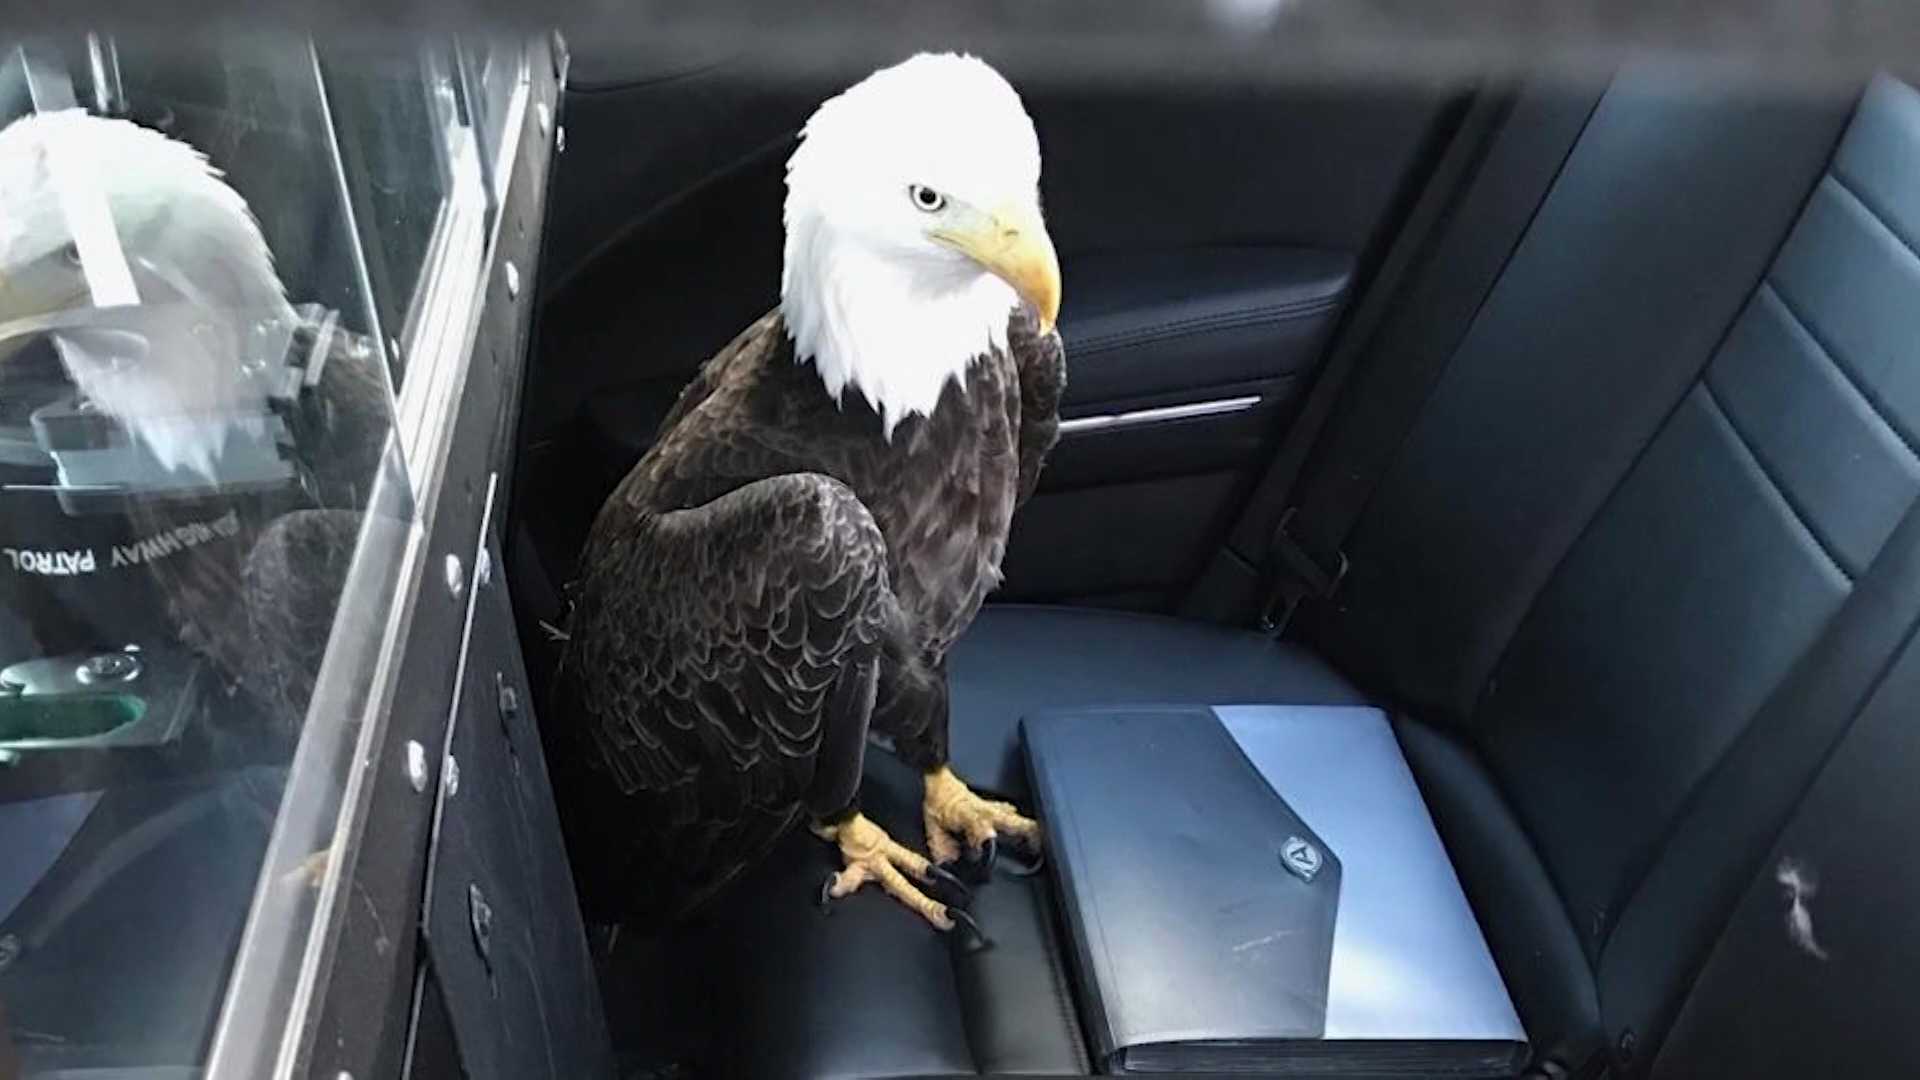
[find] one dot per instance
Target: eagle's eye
(72, 254)
(925, 198)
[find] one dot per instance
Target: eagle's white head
(202, 269)
(913, 230)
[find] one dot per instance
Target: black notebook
(1205, 908)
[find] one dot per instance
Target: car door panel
(1144, 324)
(1053, 554)
(1181, 367)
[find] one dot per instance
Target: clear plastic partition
(218, 277)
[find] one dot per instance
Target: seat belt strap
(1496, 169)
(1261, 546)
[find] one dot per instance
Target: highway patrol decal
(161, 545)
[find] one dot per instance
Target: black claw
(967, 868)
(953, 891)
(826, 895)
(1019, 867)
(975, 939)
(989, 854)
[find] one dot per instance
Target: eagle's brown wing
(723, 660)
(748, 348)
(1042, 362)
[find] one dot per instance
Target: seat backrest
(1650, 548)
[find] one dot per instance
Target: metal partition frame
(322, 984)
(358, 1021)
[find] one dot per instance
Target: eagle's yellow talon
(943, 848)
(872, 855)
(952, 809)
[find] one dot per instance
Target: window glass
(206, 257)
(391, 109)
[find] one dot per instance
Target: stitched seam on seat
(1885, 221)
(1390, 462)
(1593, 939)
(1599, 509)
(1794, 510)
(1229, 320)
(1135, 337)
(1586, 528)
(1476, 744)
(1833, 356)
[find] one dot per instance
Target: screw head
(544, 115)
(560, 140)
(456, 576)
(507, 697)
(483, 569)
(417, 765)
(108, 667)
(450, 777)
(513, 279)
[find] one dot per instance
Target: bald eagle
(781, 575)
(186, 380)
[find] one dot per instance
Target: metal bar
(362, 280)
(48, 83)
(103, 57)
(258, 1032)
(76, 185)
(447, 319)
(358, 1025)
(1162, 415)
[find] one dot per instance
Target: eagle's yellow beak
(1013, 244)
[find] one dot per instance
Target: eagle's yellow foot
(872, 855)
(953, 811)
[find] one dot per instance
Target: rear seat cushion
(1539, 953)
(869, 990)
(1018, 659)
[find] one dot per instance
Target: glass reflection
(389, 111)
(195, 409)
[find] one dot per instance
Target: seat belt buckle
(1297, 575)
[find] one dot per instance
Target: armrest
(1162, 323)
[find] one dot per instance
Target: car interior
(1494, 491)
(1569, 420)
